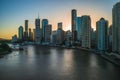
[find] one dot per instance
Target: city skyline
(13, 13)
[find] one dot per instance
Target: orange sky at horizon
(62, 15)
(66, 26)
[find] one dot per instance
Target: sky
(13, 13)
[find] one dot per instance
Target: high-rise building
(79, 28)
(86, 31)
(116, 27)
(73, 21)
(20, 33)
(110, 37)
(48, 30)
(30, 35)
(37, 31)
(93, 38)
(44, 23)
(102, 34)
(93, 34)
(34, 34)
(26, 30)
(54, 37)
(60, 34)
(60, 26)
(68, 37)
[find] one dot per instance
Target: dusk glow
(59, 39)
(14, 12)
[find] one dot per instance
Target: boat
(17, 47)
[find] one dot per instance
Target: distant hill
(1, 39)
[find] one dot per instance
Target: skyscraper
(86, 31)
(110, 37)
(48, 30)
(68, 37)
(79, 28)
(37, 31)
(60, 26)
(44, 23)
(102, 34)
(20, 33)
(54, 37)
(34, 34)
(60, 34)
(116, 27)
(26, 30)
(30, 35)
(93, 38)
(73, 21)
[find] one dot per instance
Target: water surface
(45, 63)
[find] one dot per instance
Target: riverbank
(4, 53)
(111, 57)
(4, 49)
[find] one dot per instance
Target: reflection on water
(45, 63)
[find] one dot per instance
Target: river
(50, 63)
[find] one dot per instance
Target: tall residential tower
(86, 31)
(44, 23)
(116, 27)
(20, 33)
(48, 31)
(26, 30)
(79, 28)
(102, 34)
(60, 34)
(73, 27)
(37, 31)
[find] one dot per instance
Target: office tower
(79, 28)
(34, 33)
(20, 33)
(44, 23)
(102, 35)
(73, 21)
(60, 34)
(60, 26)
(26, 30)
(110, 37)
(96, 41)
(37, 31)
(93, 34)
(30, 35)
(93, 38)
(54, 37)
(68, 37)
(48, 30)
(86, 31)
(116, 27)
